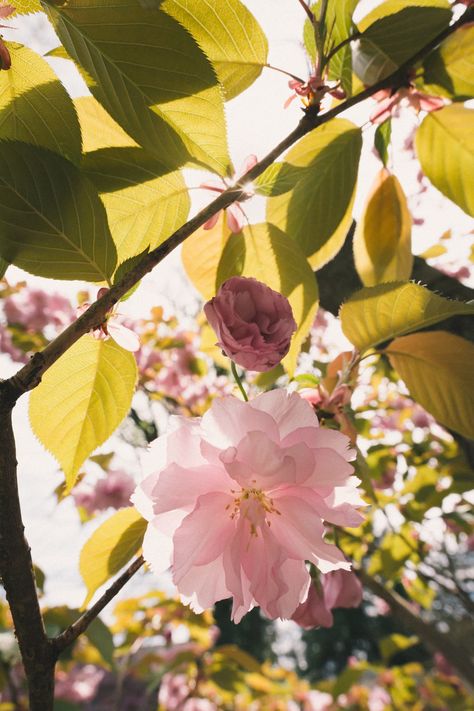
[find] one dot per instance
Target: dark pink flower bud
(253, 323)
(5, 59)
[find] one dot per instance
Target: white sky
(256, 122)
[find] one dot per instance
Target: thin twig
(72, 632)
(307, 10)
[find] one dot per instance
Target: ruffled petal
(289, 411)
(229, 420)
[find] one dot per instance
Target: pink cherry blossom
(36, 309)
(113, 491)
(236, 501)
(79, 684)
(235, 214)
(338, 589)
(317, 701)
(388, 101)
(253, 323)
(113, 327)
(174, 689)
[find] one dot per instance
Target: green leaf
(445, 147)
(98, 128)
(382, 138)
(437, 369)
(377, 314)
(145, 203)
(317, 213)
(52, 222)
(339, 20)
(36, 108)
(393, 32)
(449, 70)
(229, 35)
(395, 643)
(382, 239)
(150, 75)
(110, 547)
(265, 252)
(277, 179)
(86, 394)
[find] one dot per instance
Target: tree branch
(30, 375)
(72, 632)
(16, 572)
(436, 641)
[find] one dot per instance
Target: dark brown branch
(30, 375)
(409, 616)
(70, 634)
(16, 572)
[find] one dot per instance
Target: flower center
(253, 505)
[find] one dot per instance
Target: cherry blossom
(254, 324)
(388, 101)
(337, 589)
(114, 491)
(236, 501)
(235, 214)
(113, 327)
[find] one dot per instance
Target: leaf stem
(238, 380)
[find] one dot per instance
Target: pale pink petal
(193, 484)
(214, 185)
(142, 498)
(123, 336)
(204, 585)
(342, 514)
(158, 541)
(289, 411)
(258, 462)
(301, 534)
(322, 438)
(342, 589)
(235, 218)
(229, 419)
(212, 221)
(314, 611)
(299, 580)
(203, 534)
(248, 164)
(330, 470)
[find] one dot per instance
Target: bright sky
(256, 122)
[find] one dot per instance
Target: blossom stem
(238, 380)
(283, 71)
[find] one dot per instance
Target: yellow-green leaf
(150, 75)
(201, 254)
(393, 32)
(395, 643)
(98, 128)
(229, 35)
(382, 240)
(377, 314)
(265, 252)
(317, 213)
(437, 369)
(449, 70)
(25, 7)
(445, 147)
(110, 547)
(35, 107)
(52, 222)
(81, 400)
(144, 201)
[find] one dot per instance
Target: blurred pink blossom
(236, 502)
(112, 491)
(79, 684)
(340, 588)
(379, 699)
(174, 689)
(235, 214)
(35, 309)
(253, 323)
(317, 701)
(195, 704)
(7, 347)
(388, 101)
